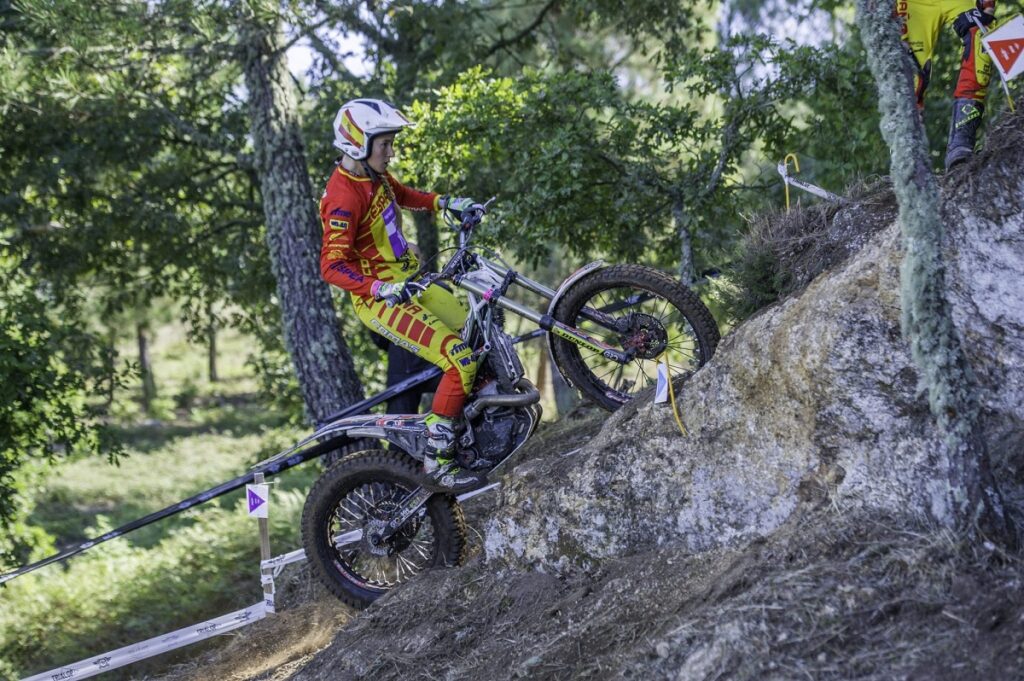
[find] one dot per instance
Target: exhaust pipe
(529, 395)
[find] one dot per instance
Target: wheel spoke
(665, 304)
(616, 370)
(685, 354)
(410, 549)
(352, 514)
(418, 547)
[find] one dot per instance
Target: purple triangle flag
(257, 497)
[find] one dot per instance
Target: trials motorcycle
(368, 525)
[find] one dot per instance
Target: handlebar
(469, 218)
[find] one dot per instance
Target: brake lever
(472, 218)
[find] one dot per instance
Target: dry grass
(783, 252)
(826, 597)
(307, 620)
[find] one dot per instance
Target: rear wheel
(639, 310)
(343, 519)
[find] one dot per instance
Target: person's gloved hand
(396, 293)
(460, 204)
(985, 13)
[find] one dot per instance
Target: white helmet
(360, 120)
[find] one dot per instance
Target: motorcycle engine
(492, 436)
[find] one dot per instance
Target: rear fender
(402, 430)
(570, 280)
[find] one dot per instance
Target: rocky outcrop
(815, 399)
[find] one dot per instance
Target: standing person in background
(921, 21)
(401, 365)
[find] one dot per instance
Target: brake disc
(646, 337)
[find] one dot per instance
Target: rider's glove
(460, 204)
(965, 21)
(396, 293)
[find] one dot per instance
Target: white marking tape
(473, 493)
(197, 632)
(807, 186)
(278, 562)
(154, 646)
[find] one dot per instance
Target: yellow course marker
(796, 165)
(672, 397)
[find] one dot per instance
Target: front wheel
(344, 513)
(638, 310)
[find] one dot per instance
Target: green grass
(144, 482)
(117, 593)
(194, 566)
(191, 567)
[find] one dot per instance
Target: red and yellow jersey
(362, 231)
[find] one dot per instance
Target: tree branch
(530, 28)
(196, 137)
(324, 50)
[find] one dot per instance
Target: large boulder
(815, 399)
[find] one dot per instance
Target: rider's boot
(963, 130)
(442, 473)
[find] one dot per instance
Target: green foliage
(482, 126)
(577, 162)
(48, 367)
(183, 570)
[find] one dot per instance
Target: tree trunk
(211, 345)
(682, 224)
(426, 236)
(326, 374)
(145, 368)
(111, 378)
(970, 499)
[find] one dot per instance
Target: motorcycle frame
(487, 284)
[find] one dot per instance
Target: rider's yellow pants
(426, 327)
(922, 21)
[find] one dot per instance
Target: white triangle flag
(661, 393)
(1006, 47)
(257, 497)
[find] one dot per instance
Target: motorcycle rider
(365, 252)
(921, 21)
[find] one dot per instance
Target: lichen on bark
(968, 497)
